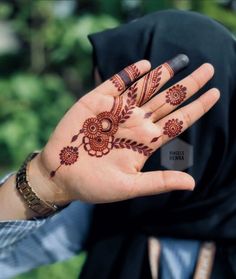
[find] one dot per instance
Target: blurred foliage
(67, 269)
(45, 65)
(46, 70)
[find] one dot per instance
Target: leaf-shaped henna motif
(75, 137)
(99, 132)
(155, 139)
(130, 104)
(120, 143)
(176, 94)
(148, 114)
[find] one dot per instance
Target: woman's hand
(98, 149)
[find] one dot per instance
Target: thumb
(156, 182)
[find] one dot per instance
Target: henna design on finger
(173, 128)
(99, 133)
(150, 85)
(125, 77)
(92, 127)
(176, 94)
(169, 69)
(176, 64)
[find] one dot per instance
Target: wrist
(45, 188)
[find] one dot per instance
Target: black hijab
(117, 244)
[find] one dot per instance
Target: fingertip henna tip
(179, 62)
(183, 58)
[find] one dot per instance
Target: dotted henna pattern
(98, 133)
(176, 94)
(173, 128)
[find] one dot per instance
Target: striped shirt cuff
(14, 230)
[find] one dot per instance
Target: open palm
(98, 149)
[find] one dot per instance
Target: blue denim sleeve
(12, 231)
(27, 244)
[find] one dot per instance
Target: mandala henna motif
(173, 128)
(152, 80)
(125, 77)
(176, 94)
(69, 155)
(98, 133)
(98, 146)
(92, 126)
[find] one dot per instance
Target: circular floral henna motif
(92, 127)
(98, 146)
(109, 123)
(176, 94)
(69, 155)
(173, 128)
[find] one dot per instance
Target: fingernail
(178, 63)
(191, 182)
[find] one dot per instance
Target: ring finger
(174, 96)
(178, 121)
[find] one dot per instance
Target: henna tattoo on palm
(150, 84)
(98, 133)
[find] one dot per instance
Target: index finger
(119, 82)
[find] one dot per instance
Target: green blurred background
(45, 65)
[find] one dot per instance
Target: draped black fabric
(117, 244)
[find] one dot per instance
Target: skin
(117, 175)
